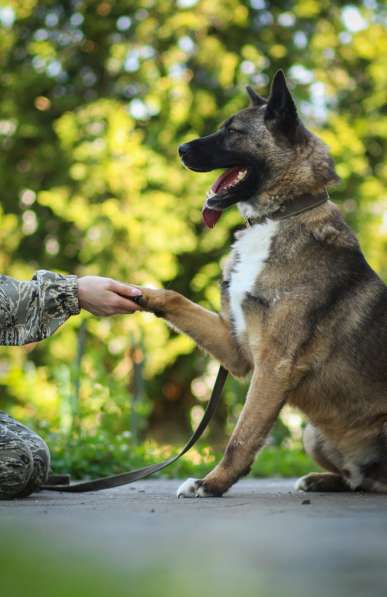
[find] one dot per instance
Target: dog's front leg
(208, 329)
(265, 398)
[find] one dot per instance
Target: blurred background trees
(95, 97)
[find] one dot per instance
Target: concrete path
(260, 539)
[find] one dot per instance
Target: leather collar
(294, 207)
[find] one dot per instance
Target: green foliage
(95, 98)
(105, 454)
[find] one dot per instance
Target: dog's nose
(183, 149)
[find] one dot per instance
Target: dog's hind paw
(301, 484)
(192, 488)
(321, 482)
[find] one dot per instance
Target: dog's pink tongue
(210, 216)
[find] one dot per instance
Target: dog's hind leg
(375, 470)
(322, 482)
(326, 455)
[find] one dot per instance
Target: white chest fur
(252, 252)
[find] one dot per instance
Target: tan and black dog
(301, 308)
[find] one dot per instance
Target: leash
(146, 471)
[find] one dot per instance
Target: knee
(39, 451)
(40, 464)
(41, 460)
(16, 466)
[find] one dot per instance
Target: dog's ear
(281, 109)
(255, 99)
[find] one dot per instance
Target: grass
(102, 454)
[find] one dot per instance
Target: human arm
(33, 310)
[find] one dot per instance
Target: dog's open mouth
(226, 182)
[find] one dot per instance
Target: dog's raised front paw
(157, 301)
(193, 488)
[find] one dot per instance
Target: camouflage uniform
(29, 311)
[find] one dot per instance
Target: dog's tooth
(241, 174)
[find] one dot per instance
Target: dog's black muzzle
(208, 153)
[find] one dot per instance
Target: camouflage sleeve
(32, 311)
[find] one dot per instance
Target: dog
(302, 311)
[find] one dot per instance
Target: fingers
(104, 296)
(122, 305)
(125, 290)
(121, 291)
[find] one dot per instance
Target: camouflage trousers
(24, 459)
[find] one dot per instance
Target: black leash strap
(146, 471)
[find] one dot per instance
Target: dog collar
(295, 207)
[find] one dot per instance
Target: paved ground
(261, 539)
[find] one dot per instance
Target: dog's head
(266, 152)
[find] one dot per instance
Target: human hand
(104, 296)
